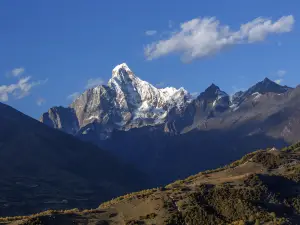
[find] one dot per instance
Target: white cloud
(281, 73)
(19, 90)
(150, 32)
(94, 82)
(17, 71)
(279, 81)
(202, 37)
(73, 96)
(170, 24)
(40, 101)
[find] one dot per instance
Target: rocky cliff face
(262, 87)
(214, 109)
(61, 118)
(213, 100)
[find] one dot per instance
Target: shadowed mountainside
(43, 168)
(169, 157)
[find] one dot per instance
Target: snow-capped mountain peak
(125, 102)
(140, 99)
(120, 69)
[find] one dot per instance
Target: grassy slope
(261, 188)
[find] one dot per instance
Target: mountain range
(128, 135)
(170, 134)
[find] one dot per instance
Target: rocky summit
(125, 102)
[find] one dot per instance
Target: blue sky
(51, 49)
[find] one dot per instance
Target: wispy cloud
(16, 72)
(40, 101)
(93, 82)
(73, 96)
(281, 73)
(150, 32)
(20, 89)
(202, 37)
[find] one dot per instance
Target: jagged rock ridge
(126, 102)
